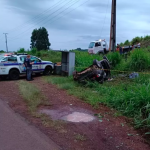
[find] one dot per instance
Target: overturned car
(99, 71)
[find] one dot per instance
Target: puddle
(68, 113)
(78, 117)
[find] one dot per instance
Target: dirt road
(17, 134)
(107, 133)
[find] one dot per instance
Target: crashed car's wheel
(96, 62)
(48, 70)
(104, 57)
(14, 74)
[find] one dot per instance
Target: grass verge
(32, 96)
(129, 97)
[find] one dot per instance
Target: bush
(84, 60)
(21, 50)
(38, 54)
(139, 60)
(114, 58)
(33, 51)
(133, 101)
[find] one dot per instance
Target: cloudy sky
(71, 23)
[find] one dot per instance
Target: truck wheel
(105, 52)
(48, 70)
(14, 74)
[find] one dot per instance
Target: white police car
(13, 67)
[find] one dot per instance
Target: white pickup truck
(97, 47)
(13, 67)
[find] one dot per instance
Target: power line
(62, 16)
(60, 13)
(37, 16)
(104, 18)
(49, 16)
(69, 11)
(66, 13)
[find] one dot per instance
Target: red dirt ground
(110, 134)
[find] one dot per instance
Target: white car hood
(47, 62)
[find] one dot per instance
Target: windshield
(104, 44)
(92, 44)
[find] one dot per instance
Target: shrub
(38, 54)
(114, 58)
(33, 51)
(84, 60)
(139, 60)
(21, 50)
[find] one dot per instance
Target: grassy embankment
(131, 97)
(34, 98)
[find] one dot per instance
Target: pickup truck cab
(13, 67)
(97, 47)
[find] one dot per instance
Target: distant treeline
(145, 41)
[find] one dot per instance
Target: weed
(32, 95)
(130, 98)
(139, 60)
(114, 58)
(80, 137)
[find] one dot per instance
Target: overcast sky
(71, 23)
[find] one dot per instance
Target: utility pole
(6, 41)
(112, 42)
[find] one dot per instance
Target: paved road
(16, 134)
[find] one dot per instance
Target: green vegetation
(39, 39)
(32, 95)
(145, 41)
(80, 137)
(50, 55)
(34, 98)
(83, 60)
(1, 51)
(131, 97)
(138, 60)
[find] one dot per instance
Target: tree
(121, 44)
(39, 39)
(127, 43)
(21, 50)
(136, 40)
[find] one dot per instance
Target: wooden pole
(112, 42)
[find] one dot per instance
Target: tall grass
(32, 96)
(139, 60)
(84, 60)
(114, 58)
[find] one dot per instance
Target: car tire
(14, 74)
(48, 70)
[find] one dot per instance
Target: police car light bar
(21, 54)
